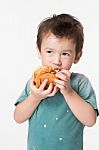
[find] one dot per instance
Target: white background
(18, 57)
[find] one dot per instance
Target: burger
(42, 73)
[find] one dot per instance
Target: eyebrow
(48, 48)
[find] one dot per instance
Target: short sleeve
(86, 91)
(24, 94)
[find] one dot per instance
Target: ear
(77, 58)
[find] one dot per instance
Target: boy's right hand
(40, 93)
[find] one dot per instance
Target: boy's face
(58, 53)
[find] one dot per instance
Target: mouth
(57, 69)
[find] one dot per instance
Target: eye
(49, 52)
(66, 54)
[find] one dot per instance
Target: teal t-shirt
(53, 126)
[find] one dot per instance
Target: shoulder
(79, 80)
(78, 76)
(82, 85)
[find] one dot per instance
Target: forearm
(81, 109)
(25, 109)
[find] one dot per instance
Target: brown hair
(63, 25)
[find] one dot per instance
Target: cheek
(45, 61)
(66, 64)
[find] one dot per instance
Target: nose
(57, 60)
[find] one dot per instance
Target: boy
(58, 115)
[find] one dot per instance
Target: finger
(60, 86)
(61, 76)
(42, 86)
(49, 89)
(54, 91)
(66, 72)
(32, 85)
(60, 82)
(32, 81)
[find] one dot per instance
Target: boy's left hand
(63, 81)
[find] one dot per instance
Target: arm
(25, 109)
(83, 111)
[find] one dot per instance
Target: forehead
(51, 40)
(50, 36)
